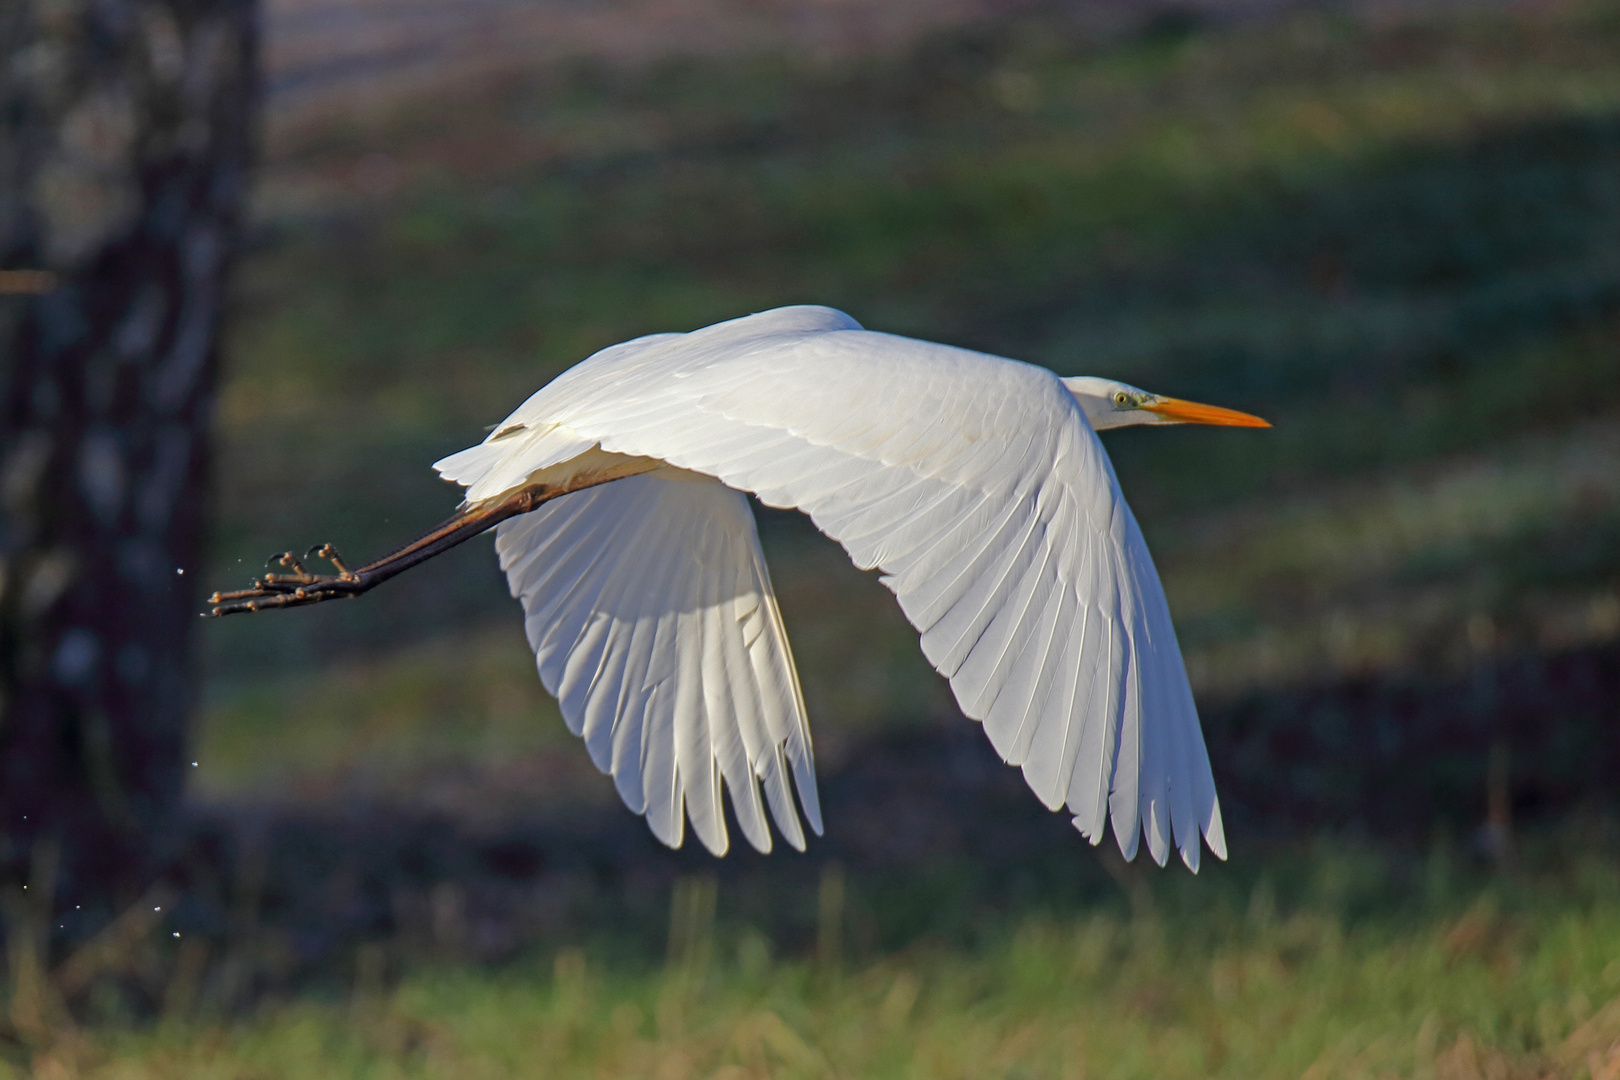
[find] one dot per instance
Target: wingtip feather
(1215, 832)
(1127, 835)
(1157, 831)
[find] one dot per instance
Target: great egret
(976, 484)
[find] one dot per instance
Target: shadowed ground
(1403, 763)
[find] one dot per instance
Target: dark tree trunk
(126, 140)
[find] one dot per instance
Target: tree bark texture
(127, 132)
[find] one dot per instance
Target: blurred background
(1391, 227)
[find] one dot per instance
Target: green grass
(1327, 971)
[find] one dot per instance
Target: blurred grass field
(1343, 964)
(1397, 237)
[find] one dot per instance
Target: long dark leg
(301, 587)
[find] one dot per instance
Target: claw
(330, 554)
(288, 560)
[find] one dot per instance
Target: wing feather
(1049, 741)
(978, 585)
(649, 609)
(1017, 650)
(735, 694)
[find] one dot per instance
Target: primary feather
(974, 484)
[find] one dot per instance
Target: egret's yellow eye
(1122, 398)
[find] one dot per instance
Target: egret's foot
(296, 589)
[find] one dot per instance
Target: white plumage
(975, 484)
(651, 614)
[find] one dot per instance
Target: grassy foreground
(1227, 975)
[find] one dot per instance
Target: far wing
(654, 625)
(977, 487)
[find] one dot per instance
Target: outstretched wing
(651, 614)
(976, 486)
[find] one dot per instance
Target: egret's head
(1110, 404)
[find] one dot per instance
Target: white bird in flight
(975, 484)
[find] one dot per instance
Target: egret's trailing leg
(301, 587)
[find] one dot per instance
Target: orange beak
(1176, 411)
